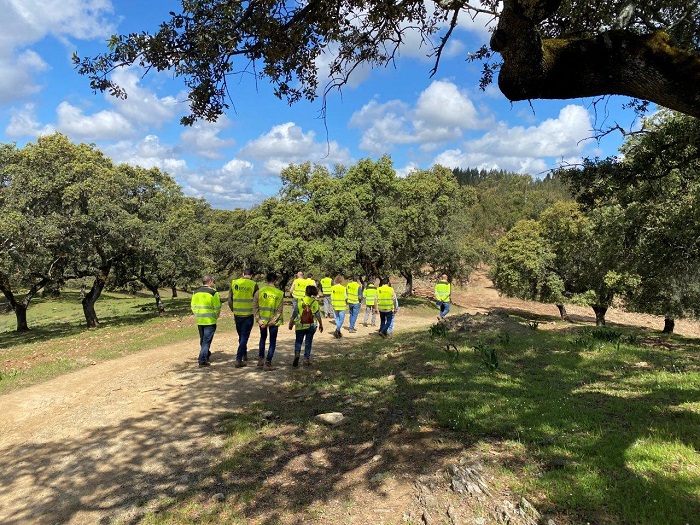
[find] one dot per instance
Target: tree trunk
(174, 290)
(669, 325)
(93, 295)
(156, 294)
(562, 312)
(600, 315)
(409, 283)
(21, 315)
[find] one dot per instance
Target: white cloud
(24, 123)
(103, 125)
(287, 144)
(26, 22)
(147, 153)
(231, 186)
(441, 114)
(530, 150)
(141, 105)
(202, 138)
(564, 135)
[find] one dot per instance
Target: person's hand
(320, 328)
(291, 324)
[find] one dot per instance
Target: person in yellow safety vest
(305, 329)
(240, 301)
(326, 284)
(369, 295)
(354, 291)
(338, 302)
(268, 303)
(442, 296)
(206, 307)
(386, 305)
(298, 287)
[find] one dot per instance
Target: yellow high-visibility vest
(353, 289)
(369, 293)
(385, 298)
(326, 285)
(205, 305)
(242, 291)
(442, 291)
(338, 297)
(269, 300)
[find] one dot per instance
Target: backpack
(307, 315)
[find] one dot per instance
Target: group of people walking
(263, 305)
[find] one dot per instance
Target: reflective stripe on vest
(269, 300)
(242, 290)
(385, 298)
(369, 294)
(299, 290)
(326, 284)
(338, 297)
(205, 305)
(442, 291)
(300, 306)
(353, 289)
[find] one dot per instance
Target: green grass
(601, 433)
(59, 342)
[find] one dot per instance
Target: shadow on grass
(579, 422)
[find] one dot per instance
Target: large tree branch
(649, 67)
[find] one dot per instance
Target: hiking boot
(307, 361)
(295, 363)
(352, 330)
(240, 364)
(202, 365)
(365, 324)
(261, 361)
(268, 366)
(336, 334)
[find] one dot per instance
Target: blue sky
(419, 121)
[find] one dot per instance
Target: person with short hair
(298, 286)
(206, 307)
(305, 330)
(268, 303)
(240, 301)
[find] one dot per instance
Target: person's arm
(295, 312)
(256, 307)
(320, 320)
(230, 298)
(277, 314)
(216, 303)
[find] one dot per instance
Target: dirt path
(91, 443)
(87, 445)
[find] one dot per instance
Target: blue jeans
(368, 310)
(339, 319)
(354, 312)
(206, 335)
(444, 308)
(307, 333)
(273, 329)
(385, 319)
(391, 324)
(244, 325)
